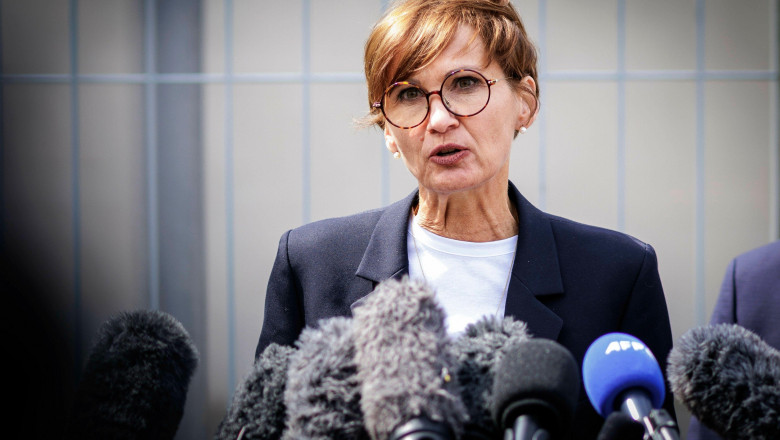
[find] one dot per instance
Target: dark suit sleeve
(283, 318)
(724, 312)
(647, 316)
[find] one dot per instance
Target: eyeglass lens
(464, 93)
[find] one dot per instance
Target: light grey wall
(659, 119)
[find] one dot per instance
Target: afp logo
(627, 345)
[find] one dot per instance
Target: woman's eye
(409, 94)
(466, 82)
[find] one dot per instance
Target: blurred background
(153, 152)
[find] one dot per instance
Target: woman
(451, 83)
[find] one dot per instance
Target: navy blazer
(750, 297)
(570, 282)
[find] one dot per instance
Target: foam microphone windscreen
(323, 394)
(477, 351)
(729, 378)
(257, 410)
(539, 378)
(405, 366)
(135, 381)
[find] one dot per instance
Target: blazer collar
(386, 255)
(535, 272)
(536, 258)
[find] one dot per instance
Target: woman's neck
(477, 215)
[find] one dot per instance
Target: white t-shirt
(470, 279)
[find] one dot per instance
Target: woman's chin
(451, 185)
(452, 181)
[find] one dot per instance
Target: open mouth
(448, 152)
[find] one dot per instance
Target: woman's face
(447, 153)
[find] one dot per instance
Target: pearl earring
(397, 155)
(523, 129)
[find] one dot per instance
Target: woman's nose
(439, 117)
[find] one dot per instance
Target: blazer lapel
(536, 271)
(386, 254)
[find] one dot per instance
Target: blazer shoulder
(332, 231)
(765, 256)
(581, 234)
(334, 234)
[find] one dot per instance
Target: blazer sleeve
(283, 317)
(725, 310)
(647, 316)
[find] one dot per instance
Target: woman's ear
(390, 141)
(530, 103)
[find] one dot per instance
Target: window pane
(35, 36)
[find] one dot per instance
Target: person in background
(750, 297)
(451, 83)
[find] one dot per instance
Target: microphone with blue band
(621, 374)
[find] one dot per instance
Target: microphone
(477, 352)
(535, 390)
(619, 371)
(620, 426)
(257, 409)
(135, 381)
(323, 393)
(729, 378)
(405, 366)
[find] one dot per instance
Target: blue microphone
(620, 373)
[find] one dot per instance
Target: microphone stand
(657, 422)
(660, 426)
(526, 428)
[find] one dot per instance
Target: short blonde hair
(413, 32)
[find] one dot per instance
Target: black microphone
(620, 373)
(406, 370)
(621, 426)
(257, 410)
(135, 381)
(477, 352)
(535, 390)
(323, 394)
(729, 378)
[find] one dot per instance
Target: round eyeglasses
(463, 92)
